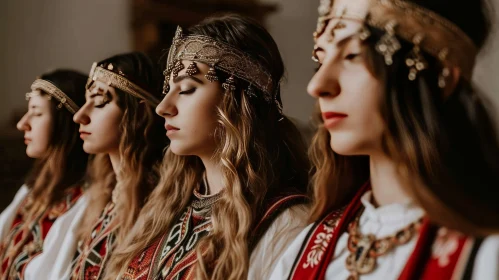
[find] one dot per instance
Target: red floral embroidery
(92, 272)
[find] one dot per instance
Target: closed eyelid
(344, 47)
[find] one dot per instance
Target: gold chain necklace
(365, 249)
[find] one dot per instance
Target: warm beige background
(39, 35)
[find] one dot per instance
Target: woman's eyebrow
(185, 76)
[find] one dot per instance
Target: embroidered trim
(445, 245)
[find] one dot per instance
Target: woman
(229, 199)
(398, 111)
(56, 181)
(118, 125)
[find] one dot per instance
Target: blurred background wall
(41, 35)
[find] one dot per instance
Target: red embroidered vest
(439, 253)
(93, 252)
(25, 238)
(173, 256)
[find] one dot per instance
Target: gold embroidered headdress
(427, 30)
(219, 56)
(120, 81)
(53, 92)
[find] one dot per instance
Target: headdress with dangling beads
(427, 30)
(219, 56)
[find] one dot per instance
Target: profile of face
(348, 93)
(37, 125)
(99, 119)
(190, 112)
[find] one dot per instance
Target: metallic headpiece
(219, 56)
(121, 82)
(54, 92)
(426, 29)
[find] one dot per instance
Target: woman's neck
(386, 182)
(213, 175)
(115, 161)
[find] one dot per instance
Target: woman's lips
(331, 119)
(84, 134)
(170, 129)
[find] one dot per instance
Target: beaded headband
(426, 29)
(54, 92)
(121, 82)
(219, 56)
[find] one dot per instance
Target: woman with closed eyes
(119, 126)
(231, 193)
(55, 185)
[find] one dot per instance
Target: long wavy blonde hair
(445, 146)
(64, 164)
(141, 150)
(259, 155)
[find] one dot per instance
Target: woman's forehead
(338, 30)
(99, 86)
(37, 99)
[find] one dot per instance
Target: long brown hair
(64, 163)
(446, 145)
(141, 149)
(259, 154)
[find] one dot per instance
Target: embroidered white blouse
(276, 240)
(382, 222)
(8, 215)
(59, 247)
(61, 242)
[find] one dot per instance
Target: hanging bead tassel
(315, 58)
(230, 84)
(268, 97)
(192, 69)
(364, 33)
(177, 68)
(211, 75)
(388, 44)
(63, 101)
(250, 92)
(415, 61)
(442, 78)
(166, 85)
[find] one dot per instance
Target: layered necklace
(365, 249)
